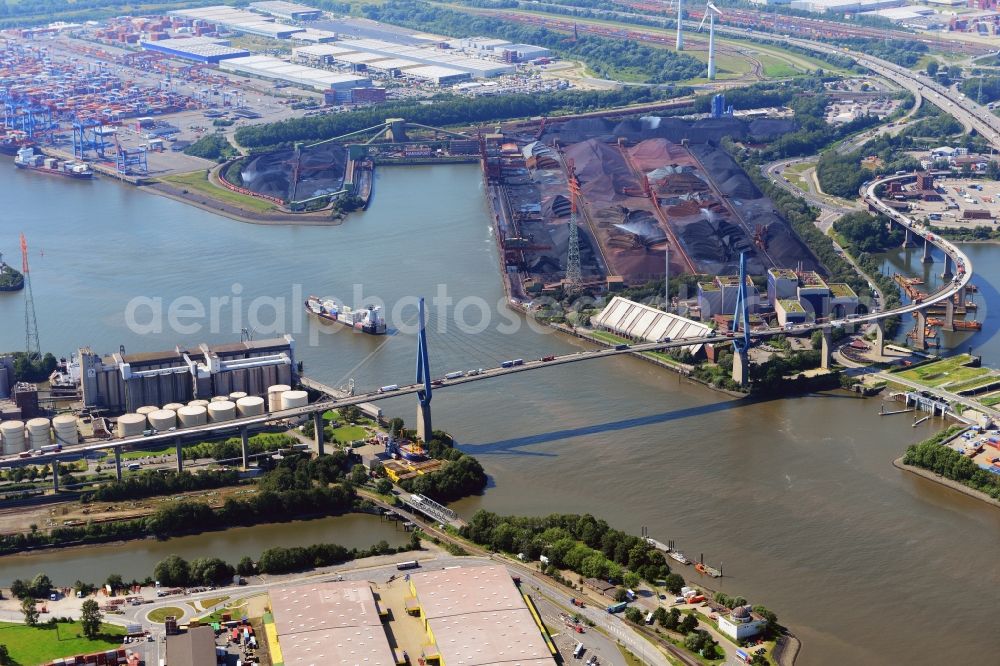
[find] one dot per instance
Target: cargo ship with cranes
(27, 159)
(368, 320)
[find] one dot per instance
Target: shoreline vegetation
(933, 460)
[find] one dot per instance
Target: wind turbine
(710, 12)
(680, 17)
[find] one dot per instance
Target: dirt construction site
(644, 186)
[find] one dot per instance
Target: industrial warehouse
(273, 68)
(207, 50)
(239, 20)
(472, 616)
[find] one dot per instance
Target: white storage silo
(223, 410)
(65, 429)
(250, 406)
(274, 396)
(39, 433)
(192, 415)
(198, 403)
(219, 398)
(163, 419)
(173, 406)
(147, 410)
(131, 425)
(236, 395)
(13, 437)
(292, 399)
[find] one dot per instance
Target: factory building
(844, 6)
(636, 321)
(790, 311)
(199, 49)
(814, 293)
(381, 64)
(307, 77)
(238, 20)
(843, 300)
(476, 616)
(332, 623)
(719, 296)
(478, 68)
(315, 36)
(500, 48)
(124, 382)
(782, 283)
(287, 10)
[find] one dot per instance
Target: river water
(796, 499)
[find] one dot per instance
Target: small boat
(701, 567)
(679, 556)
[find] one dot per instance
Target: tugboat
(368, 321)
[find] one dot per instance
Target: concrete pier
(927, 258)
(180, 454)
(424, 429)
(741, 368)
(55, 475)
(947, 274)
(118, 463)
(920, 341)
(245, 446)
(908, 239)
(880, 337)
(949, 315)
(826, 351)
(318, 426)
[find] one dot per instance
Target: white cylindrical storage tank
(236, 395)
(250, 406)
(192, 415)
(173, 406)
(39, 434)
(198, 403)
(65, 429)
(131, 425)
(292, 399)
(274, 396)
(219, 398)
(13, 437)
(163, 419)
(223, 410)
(147, 410)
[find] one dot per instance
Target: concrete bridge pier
(424, 429)
(180, 454)
(318, 426)
(245, 446)
(880, 336)
(949, 314)
(947, 274)
(118, 462)
(920, 341)
(55, 475)
(826, 350)
(741, 367)
(927, 258)
(908, 239)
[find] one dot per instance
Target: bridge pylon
(424, 428)
(826, 350)
(741, 326)
(927, 258)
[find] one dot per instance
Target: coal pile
(320, 170)
(675, 130)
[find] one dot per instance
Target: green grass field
(160, 614)
(30, 646)
(949, 371)
(196, 181)
(349, 433)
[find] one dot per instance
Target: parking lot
(960, 195)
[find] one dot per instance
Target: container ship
(368, 321)
(27, 159)
(12, 141)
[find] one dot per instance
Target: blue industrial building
(198, 49)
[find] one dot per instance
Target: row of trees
(213, 146)
(444, 110)
(232, 448)
(151, 483)
(584, 544)
(951, 464)
(606, 57)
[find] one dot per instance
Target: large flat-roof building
(380, 63)
(269, 67)
(287, 10)
(844, 6)
(329, 624)
(199, 49)
(124, 382)
(476, 616)
(642, 322)
(479, 68)
(195, 647)
(239, 20)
